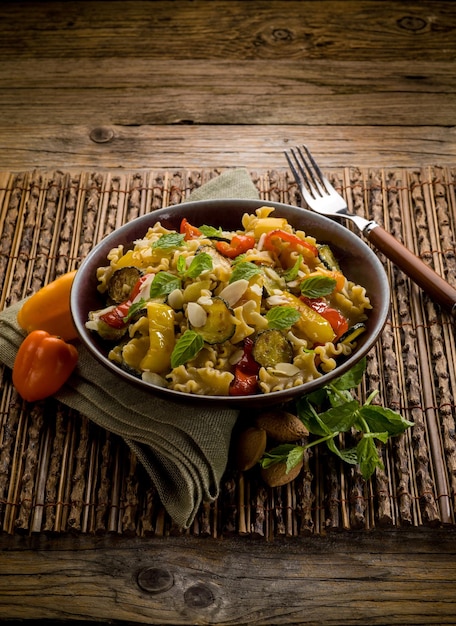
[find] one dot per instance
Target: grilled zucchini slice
(219, 325)
(353, 333)
(272, 347)
(122, 282)
(326, 256)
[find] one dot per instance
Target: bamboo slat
(61, 473)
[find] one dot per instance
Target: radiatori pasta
(210, 312)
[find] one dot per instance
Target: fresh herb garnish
(163, 284)
(292, 273)
(318, 286)
(213, 233)
(281, 317)
(186, 348)
(333, 410)
(134, 308)
(200, 263)
(169, 241)
(245, 270)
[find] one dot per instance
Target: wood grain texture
(378, 578)
(189, 84)
(367, 75)
(198, 146)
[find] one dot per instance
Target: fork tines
(309, 176)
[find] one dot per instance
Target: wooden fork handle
(433, 284)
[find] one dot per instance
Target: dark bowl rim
(273, 398)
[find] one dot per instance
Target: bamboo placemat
(60, 473)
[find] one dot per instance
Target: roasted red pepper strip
(245, 381)
(338, 322)
(115, 318)
(190, 232)
(238, 245)
(276, 236)
(43, 363)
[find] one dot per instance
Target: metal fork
(322, 197)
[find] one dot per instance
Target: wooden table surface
(192, 84)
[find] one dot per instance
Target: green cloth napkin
(183, 448)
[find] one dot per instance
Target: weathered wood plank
(114, 91)
(26, 146)
(235, 29)
(394, 578)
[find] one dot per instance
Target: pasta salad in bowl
(230, 301)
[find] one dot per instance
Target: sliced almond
(233, 292)
(196, 315)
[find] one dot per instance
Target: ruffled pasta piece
(328, 352)
(200, 381)
(243, 329)
(353, 303)
(103, 276)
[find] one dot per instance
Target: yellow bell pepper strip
(49, 309)
(162, 338)
(311, 324)
(238, 245)
(116, 317)
(266, 224)
(275, 238)
(43, 364)
(338, 322)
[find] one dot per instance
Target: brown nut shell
(276, 475)
(251, 446)
(281, 426)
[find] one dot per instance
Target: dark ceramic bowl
(357, 261)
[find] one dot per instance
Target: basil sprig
(169, 241)
(186, 348)
(332, 410)
(245, 270)
(282, 317)
(317, 286)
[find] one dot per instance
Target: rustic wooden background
(226, 82)
(192, 84)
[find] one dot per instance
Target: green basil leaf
(368, 457)
(169, 241)
(294, 457)
(181, 264)
(200, 263)
(380, 419)
(349, 455)
(281, 317)
(186, 348)
(292, 273)
(317, 286)
(163, 284)
(352, 378)
(341, 418)
(245, 270)
(278, 454)
(134, 308)
(310, 418)
(212, 233)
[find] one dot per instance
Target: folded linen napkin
(183, 448)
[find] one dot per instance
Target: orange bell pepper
(275, 238)
(43, 364)
(49, 309)
(190, 232)
(238, 245)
